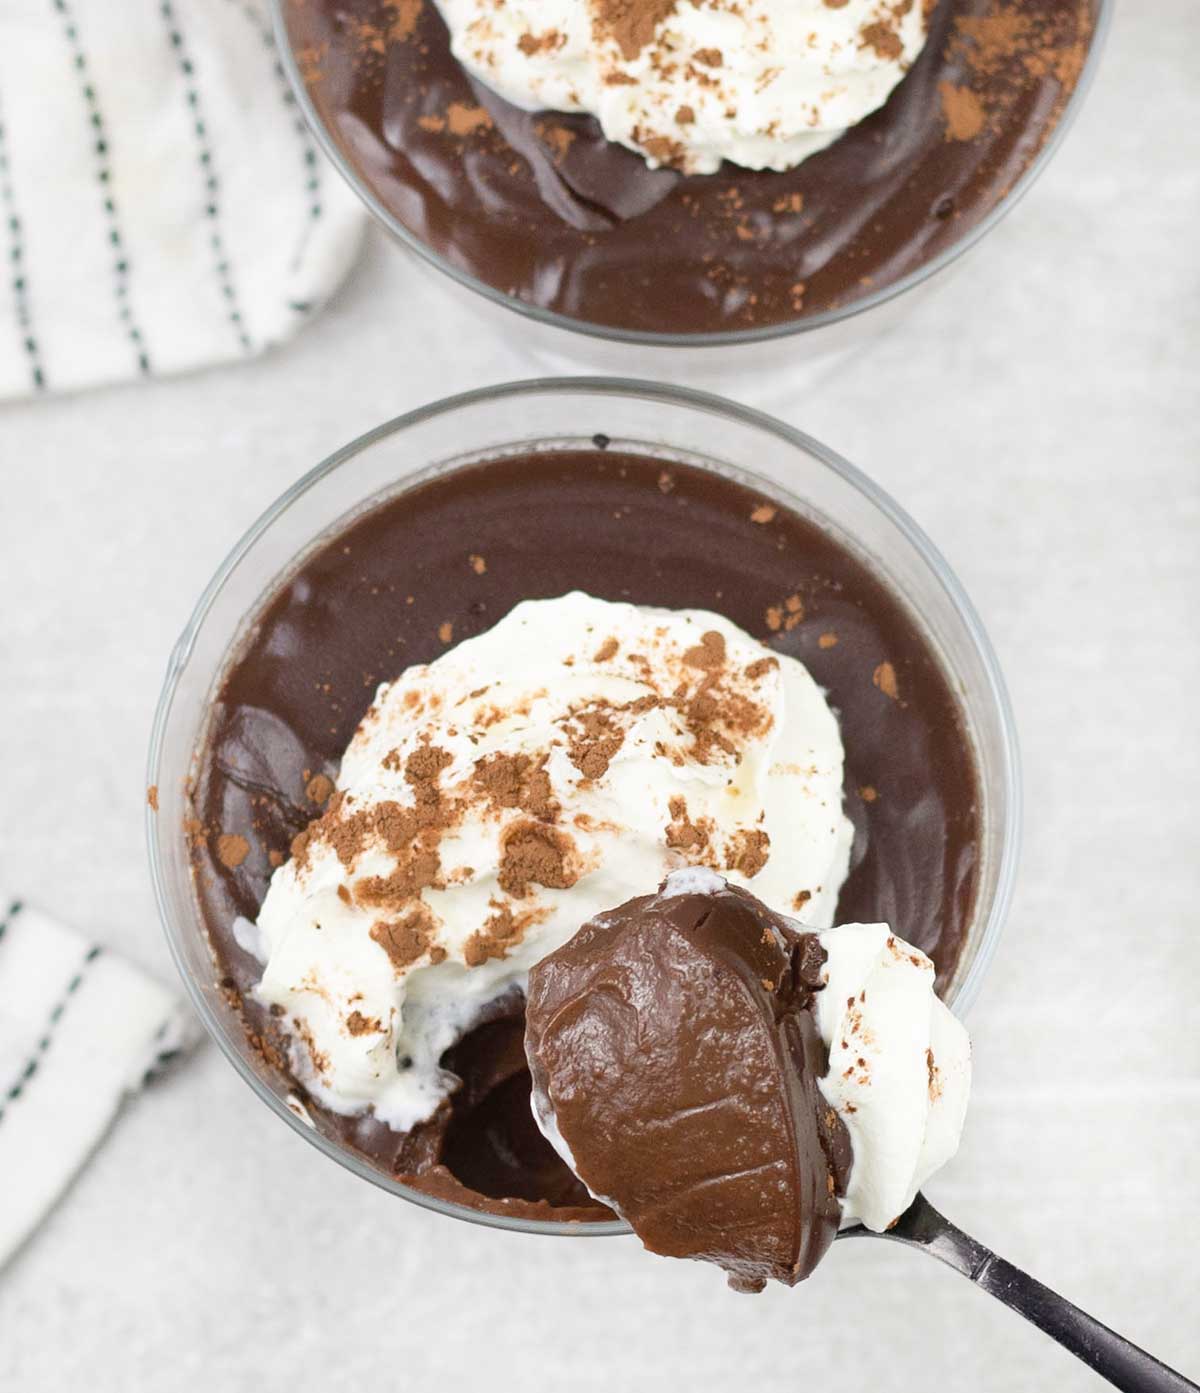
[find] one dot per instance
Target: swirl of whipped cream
(689, 83)
(494, 800)
(899, 1068)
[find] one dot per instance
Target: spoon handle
(1123, 1364)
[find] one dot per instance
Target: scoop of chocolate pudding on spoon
(740, 1089)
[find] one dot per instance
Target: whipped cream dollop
(689, 83)
(492, 801)
(899, 1068)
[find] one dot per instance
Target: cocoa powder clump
(419, 871)
(232, 850)
(424, 765)
(630, 23)
(594, 741)
(358, 1024)
(884, 678)
(748, 852)
(407, 940)
(709, 654)
(682, 833)
(500, 932)
(883, 38)
(534, 854)
(319, 789)
(516, 781)
(963, 112)
(464, 120)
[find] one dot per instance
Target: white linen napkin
(80, 1031)
(162, 204)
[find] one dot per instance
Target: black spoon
(1114, 1358)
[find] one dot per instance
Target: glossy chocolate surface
(541, 207)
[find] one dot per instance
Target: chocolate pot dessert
(424, 579)
(541, 206)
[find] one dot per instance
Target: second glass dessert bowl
(537, 212)
(697, 449)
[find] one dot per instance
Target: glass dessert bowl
(427, 531)
(540, 212)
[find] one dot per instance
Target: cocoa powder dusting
(319, 789)
(997, 48)
(702, 707)
(516, 781)
(272, 1047)
(358, 1024)
(464, 120)
(424, 765)
(232, 850)
(320, 1060)
(405, 14)
(408, 939)
(883, 38)
(500, 932)
(964, 113)
(760, 667)
(786, 615)
(884, 678)
(420, 870)
(546, 42)
(630, 23)
(682, 833)
(534, 854)
(709, 654)
(748, 852)
(935, 1077)
(595, 738)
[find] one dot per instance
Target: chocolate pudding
(445, 560)
(542, 208)
(675, 1050)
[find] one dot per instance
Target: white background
(1040, 417)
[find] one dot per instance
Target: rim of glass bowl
(717, 338)
(703, 402)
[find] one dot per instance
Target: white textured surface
(899, 1069)
(1039, 416)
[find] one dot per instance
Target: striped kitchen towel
(162, 204)
(80, 1030)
